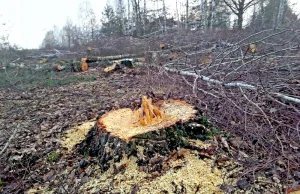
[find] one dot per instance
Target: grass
(68, 80)
(26, 78)
(53, 156)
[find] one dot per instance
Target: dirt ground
(36, 162)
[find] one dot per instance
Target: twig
(9, 140)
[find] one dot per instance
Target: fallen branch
(230, 84)
(9, 140)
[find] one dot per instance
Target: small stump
(150, 133)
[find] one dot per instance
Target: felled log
(61, 65)
(84, 65)
(117, 65)
(110, 58)
(111, 68)
(149, 133)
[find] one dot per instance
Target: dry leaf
(252, 48)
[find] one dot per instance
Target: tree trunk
(128, 10)
(177, 16)
(280, 13)
(254, 16)
(204, 13)
(150, 148)
(137, 10)
(262, 13)
(114, 57)
(165, 16)
(240, 20)
(213, 14)
(187, 14)
(145, 16)
(69, 42)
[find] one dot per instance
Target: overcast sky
(27, 21)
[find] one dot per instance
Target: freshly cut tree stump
(150, 133)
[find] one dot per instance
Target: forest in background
(137, 18)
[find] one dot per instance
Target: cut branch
(231, 84)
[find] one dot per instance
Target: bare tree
(203, 5)
(4, 33)
(120, 13)
(89, 22)
(137, 15)
(187, 14)
(213, 5)
(280, 12)
(145, 16)
(50, 40)
(67, 32)
(177, 16)
(165, 15)
(238, 7)
(128, 10)
(262, 12)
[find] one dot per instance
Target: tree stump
(150, 133)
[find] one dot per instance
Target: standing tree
(238, 7)
(186, 14)
(4, 35)
(177, 16)
(120, 17)
(272, 14)
(165, 15)
(108, 21)
(67, 33)
(262, 12)
(203, 5)
(222, 15)
(88, 21)
(145, 16)
(212, 13)
(280, 12)
(50, 40)
(137, 16)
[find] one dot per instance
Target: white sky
(29, 20)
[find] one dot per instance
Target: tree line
(139, 18)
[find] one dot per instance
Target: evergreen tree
(108, 21)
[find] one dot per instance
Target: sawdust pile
(76, 134)
(189, 174)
